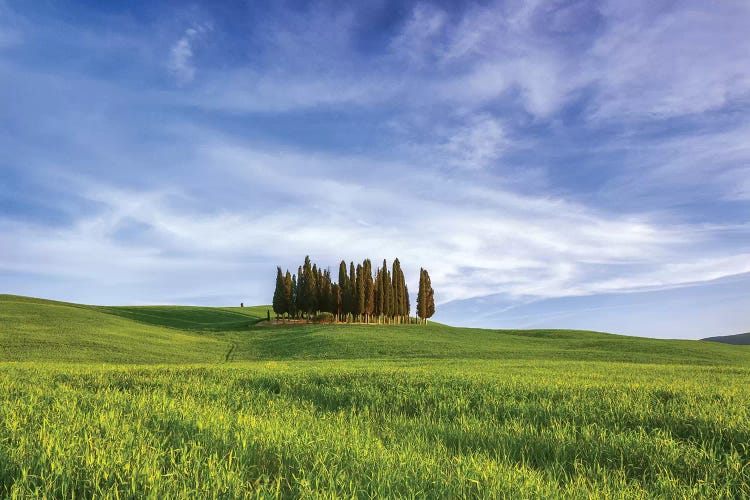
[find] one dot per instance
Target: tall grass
(447, 428)
(358, 410)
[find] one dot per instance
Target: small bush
(323, 317)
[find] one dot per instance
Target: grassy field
(169, 401)
(32, 330)
(39, 330)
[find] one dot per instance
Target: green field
(176, 401)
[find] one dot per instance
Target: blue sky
(553, 164)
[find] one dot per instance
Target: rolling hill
(739, 339)
(42, 330)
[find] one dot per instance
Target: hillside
(201, 319)
(41, 330)
(739, 339)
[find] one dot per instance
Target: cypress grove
(361, 295)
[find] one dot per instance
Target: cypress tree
(325, 292)
(343, 290)
(301, 300)
(336, 300)
(328, 291)
(278, 294)
(384, 286)
(312, 288)
(352, 291)
(360, 292)
(391, 297)
(293, 301)
(320, 285)
(395, 288)
(378, 294)
(369, 290)
(400, 308)
(426, 298)
(422, 297)
(288, 296)
(311, 302)
(430, 295)
(316, 287)
(332, 305)
(387, 290)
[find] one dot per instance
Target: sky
(577, 164)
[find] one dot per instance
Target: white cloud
(634, 62)
(496, 51)
(251, 91)
(693, 59)
(181, 54)
(671, 274)
(420, 36)
(476, 144)
(641, 61)
(712, 164)
(475, 240)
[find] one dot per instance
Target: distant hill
(739, 339)
(47, 331)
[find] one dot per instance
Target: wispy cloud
(477, 143)
(657, 63)
(420, 36)
(710, 164)
(181, 54)
(524, 245)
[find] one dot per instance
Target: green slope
(41, 330)
(35, 329)
(443, 342)
(193, 318)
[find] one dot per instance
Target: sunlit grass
(48, 331)
(436, 428)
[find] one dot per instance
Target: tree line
(359, 296)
